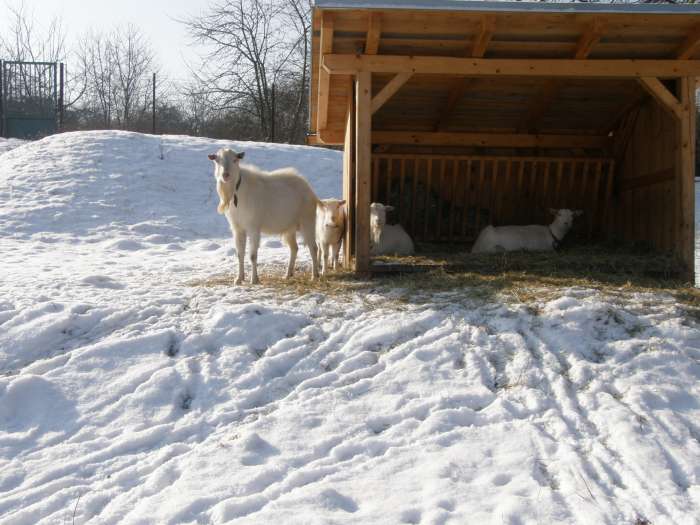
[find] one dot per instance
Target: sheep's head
(564, 218)
(331, 213)
(377, 216)
(226, 164)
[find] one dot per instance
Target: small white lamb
(534, 237)
(331, 218)
(387, 239)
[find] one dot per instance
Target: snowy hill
(128, 396)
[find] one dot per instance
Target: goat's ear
(389, 208)
(341, 202)
(240, 155)
(553, 211)
(578, 213)
(212, 156)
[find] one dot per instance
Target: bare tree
(117, 68)
(25, 40)
(255, 49)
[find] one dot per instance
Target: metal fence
(31, 98)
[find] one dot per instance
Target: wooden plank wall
(645, 188)
(442, 198)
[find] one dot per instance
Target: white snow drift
(127, 396)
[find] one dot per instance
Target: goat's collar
(556, 243)
(238, 185)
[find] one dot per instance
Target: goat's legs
(290, 239)
(240, 237)
(254, 244)
(309, 234)
(335, 250)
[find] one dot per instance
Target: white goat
(387, 239)
(534, 237)
(255, 202)
(330, 228)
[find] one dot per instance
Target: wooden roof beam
(337, 64)
(324, 79)
(389, 90)
(459, 86)
(373, 34)
(662, 95)
(551, 89)
(690, 45)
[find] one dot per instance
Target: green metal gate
(30, 99)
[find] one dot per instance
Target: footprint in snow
(334, 500)
(102, 281)
(257, 450)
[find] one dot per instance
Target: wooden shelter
(462, 114)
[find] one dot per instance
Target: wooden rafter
(690, 45)
(389, 90)
(324, 80)
(586, 42)
(667, 99)
(373, 34)
(338, 64)
(589, 39)
(459, 86)
(487, 26)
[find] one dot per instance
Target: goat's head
(226, 164)
(377, 216)
(331, 213)
(564, 218)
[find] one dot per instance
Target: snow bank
(128, 397)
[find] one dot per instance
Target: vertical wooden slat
(556, 202)
(453, 198)
(349, 184)
(608, 212)
(375, 178)
(505, 191)
(521, 174)
(427, 198)
(545, 189)
(389, 168)
(441, 180)
(402, 183)
(363, 166)
(596, 199)
(479, 196)
(414, 196)
(467, 197)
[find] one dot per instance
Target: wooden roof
(503, 54)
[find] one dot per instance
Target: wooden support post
(363, 168)
(349, 184)
(685, 176)
(324, 79)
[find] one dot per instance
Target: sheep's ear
(212, 156)
(578, 213)
(389, 208)
(240, 155)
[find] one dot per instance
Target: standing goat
(255, 202)
(387, 239)
(534, 237)
(330, 229)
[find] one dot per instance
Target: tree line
(251, 83)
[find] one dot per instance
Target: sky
(156, 19)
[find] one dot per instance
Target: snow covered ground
(128, 396)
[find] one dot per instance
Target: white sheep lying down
(387, 239)
(534, 237)
(254, 202)
(331, 218)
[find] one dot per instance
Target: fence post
(153, 108)
(2, 99)
(60, 98)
